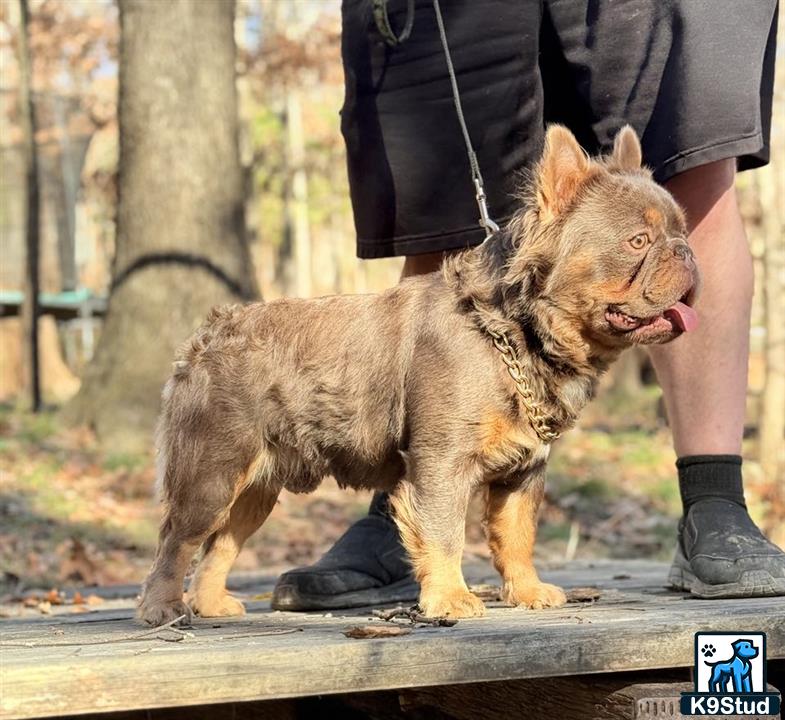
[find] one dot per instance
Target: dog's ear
(627, 154)
(562, 169)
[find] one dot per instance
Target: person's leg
(704, 380)
(421, 264)
(704, 373)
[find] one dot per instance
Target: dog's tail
(184, 407)
(219, 326)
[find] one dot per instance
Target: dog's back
(269, 385)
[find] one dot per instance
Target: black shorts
(693, 77)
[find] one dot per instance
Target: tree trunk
(181, 245)
(32, 216)
(295, 148)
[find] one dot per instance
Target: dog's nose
(683, 252)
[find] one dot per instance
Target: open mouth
(679, 317)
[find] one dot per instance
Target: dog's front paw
(219, 606)
(455, 604)
(163, 612)
(533, 595)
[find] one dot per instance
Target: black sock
(703, 477)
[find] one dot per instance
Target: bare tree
(181, 244)
(32, 222)
(297, 194)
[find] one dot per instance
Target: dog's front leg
(741, 684)
(430, 511)
(512, 527)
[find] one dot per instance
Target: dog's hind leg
(714, 680)
(207, 593)
(178, 541)
(512, 527)
(199, 492)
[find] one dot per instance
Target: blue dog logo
(733, 686)
(735, 670)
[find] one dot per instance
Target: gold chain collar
(537, 417)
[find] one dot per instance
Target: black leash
(485, 219)
(383, 25)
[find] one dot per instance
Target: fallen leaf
(583, 594)
(44, 607)
(80, 609)
(78, 599)
(93, 600)
(366, 632)
(262, 596)
(76, 564)
(486, 592)
(54, 597)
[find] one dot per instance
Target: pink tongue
(683, 316)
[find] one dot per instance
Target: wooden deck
(101, 661)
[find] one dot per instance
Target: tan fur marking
(503, 442)
(512, 527)
(613, 290)
(443, 591)
(207, 593)
(564, 167)
(652, 216)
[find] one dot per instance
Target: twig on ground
(272, 631)
(181, 635)
(414, 616)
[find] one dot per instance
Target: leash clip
(485, 219)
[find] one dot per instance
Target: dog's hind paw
(535, 596)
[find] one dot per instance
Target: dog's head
(601, 251)
(745, 649)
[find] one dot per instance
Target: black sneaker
(722, 554)
(367, 566)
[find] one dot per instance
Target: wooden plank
(604, 697)
(79, 664)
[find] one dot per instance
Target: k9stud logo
(730, 676)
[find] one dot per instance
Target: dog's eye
(639, 241)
